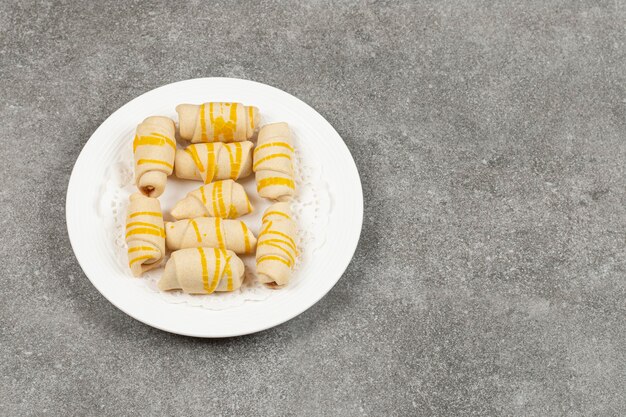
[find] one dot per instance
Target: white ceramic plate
(90, 239)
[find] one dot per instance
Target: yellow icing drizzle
(220, 199)
(289, 255)
(232, 211)
(139, 258)
(193, 152)
(273, 258)
(265, 228)
(211, 165)
(218, 232)
(276, 232)
(274, 213)
(268, 157)
(166, 138)
(212, 120)
(219, 210)
(223, 129)
(229, 274)
(233, 121)
(203, 136)
(135, 224)
(268, 182)
(154, 161)
(205, 272)
(195, 227)
(284, 242)
(146, 231)
(213, 199)
(146, 213)
(270, 144)
(216, 274)
(230, 157)
(235, 167)
(202, 195)
(139, 248)
(155, 139)
(246, 239)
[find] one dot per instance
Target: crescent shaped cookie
(202, 271)
(273, 162)
(225, 199)
(276, 251)
(145, 234)
(211, 232)
(154, 149)
(214, 161)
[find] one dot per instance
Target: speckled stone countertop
(490, 278)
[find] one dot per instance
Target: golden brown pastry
(154, 148)
(214, 161)
(276, 246)
(145, 235)
(273, 162)
(202, 271)
(217, 122)
(210, 232)
(225, 199)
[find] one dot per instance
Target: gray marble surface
(490, 278)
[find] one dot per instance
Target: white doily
(310, 208)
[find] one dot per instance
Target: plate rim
(282, 318)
